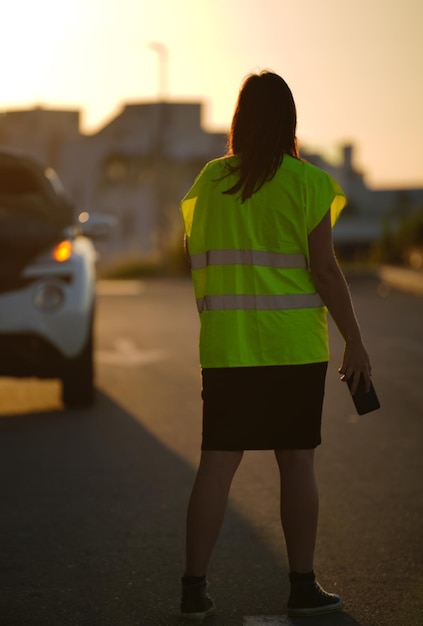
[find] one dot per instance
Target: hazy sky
(355, 66)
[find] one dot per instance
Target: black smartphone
(365, 401)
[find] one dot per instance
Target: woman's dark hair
(262, 131)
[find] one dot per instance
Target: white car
(47, 281)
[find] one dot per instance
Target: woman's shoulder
(221, 163)
(311, 178)
(217, 169)
(303, 168)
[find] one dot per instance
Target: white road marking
(119, 287)
(267, 620)
(126, 354)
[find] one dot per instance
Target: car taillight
(62, 251)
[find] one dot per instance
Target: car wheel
(78, 378)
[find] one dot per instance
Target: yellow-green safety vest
(255, 295)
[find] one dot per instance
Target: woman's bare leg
(207, 506)
(299, 506)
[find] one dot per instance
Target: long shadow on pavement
(92, 529)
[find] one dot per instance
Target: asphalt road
(93, 502)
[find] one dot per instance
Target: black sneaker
(308, 598)
(196, 604)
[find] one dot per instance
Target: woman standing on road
(258, 232)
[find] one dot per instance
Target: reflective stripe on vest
(248, 302)
(248, 257)
(271, 302)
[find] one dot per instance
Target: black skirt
(263, 408)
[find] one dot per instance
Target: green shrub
(398, 245)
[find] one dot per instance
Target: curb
(401, 278)
(390, 276)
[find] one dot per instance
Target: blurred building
(136, 168)
(140, 164)
(369, 211)
(40, 132)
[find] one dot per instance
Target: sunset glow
(355, 68)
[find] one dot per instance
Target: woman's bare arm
(332, 286)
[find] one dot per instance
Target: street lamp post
(163, 75)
